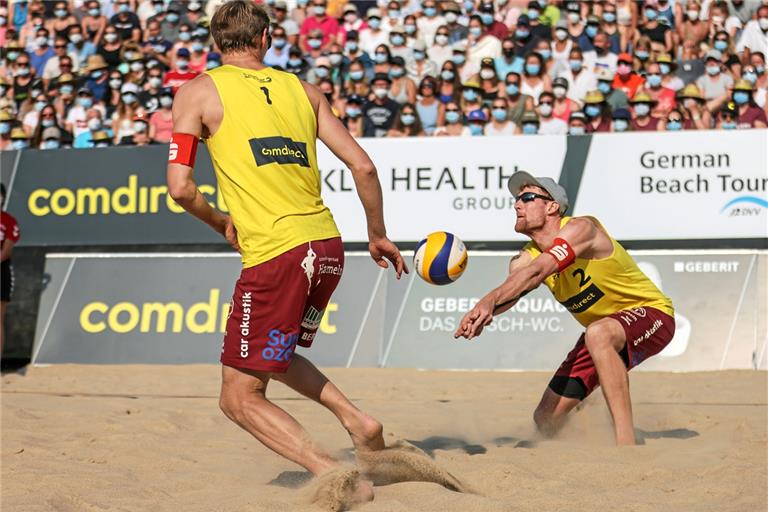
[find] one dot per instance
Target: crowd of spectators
(85, 73)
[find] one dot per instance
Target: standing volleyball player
(260, 126)
(627, 319)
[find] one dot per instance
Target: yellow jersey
(265, 160)
(593, 289)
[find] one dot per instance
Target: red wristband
(562, 252)
(182, 149)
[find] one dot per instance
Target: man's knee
(233, 402)
(602, 336)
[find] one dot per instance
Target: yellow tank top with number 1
(266, 163)
(594, 289)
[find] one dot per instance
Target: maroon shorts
(647, 330)
(279, 304)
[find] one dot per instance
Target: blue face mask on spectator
(475, 31)
(721, 45)
(374, 23)
(294, 63)
(592, 110)
(591, 31)
(609, 17)
(674, 126)
(530, 129)
(532, 69)
(184, 36)
(5, 128)
(212, 64)
(353, 112)
(396, 72)
(469, 95)
(197, 47)
(408, 119)
(50, 144)
(351, 46)
(469, 6)
(172, 17)
(576, 130)
(410, 29)
(85, 102)
(66, 89)
(315, 43)
(664, 68)
(545, 54)
(19, 144)
(476, 129)
(750, 77)
(417, 55)
(458, 59)
(430, 12)
(653, 80)
(713, 69)
(123, 8)
(486, 18)
(642, 109)
(604, 87)
(499, 114)
(380, 58)
(513, 89)
(620, 125)
(533, 14)
(393, 13)
(321, 72)
(279, 43)
(356, 76)
(522, 33)
(728, 125)
(741, 97)
(39, 105)
(447, 75)
(397, 40)
(642, 55)
(94, 12)
(452, 117)
(651, 14)
(575, 64)
(47, 123)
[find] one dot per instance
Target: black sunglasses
(527, 197)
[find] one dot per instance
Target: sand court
(136, 438)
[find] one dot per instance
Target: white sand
(151, 438)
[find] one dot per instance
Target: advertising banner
(635, 183)
(172, 309)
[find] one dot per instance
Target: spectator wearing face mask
(353, 52)
(95, 123)
(353, 118)
(402, 89)
(694, 28)
(277, 54)
(693, 108)
(75, 122)
(420, 66)
(518, 102)
(155, 46)
(508, 62)
(602, 57)
(562, 105)
(449, 86)
(476, 122)
(529, 123)
(750, 115)
(577, 124)
(140, 133)
(397, 46)
(181, 73)
(93, 22)
(499, 30)
(126, 22)
(572, 15)
(453, 122)
(659, 33)
(430, 21)
(111, 47)
(380, 112)
(663, 96)
(667, 68)
(457, 32)
(580, 79)
(97, 73)
(471, 97)
(32, 117)
(534, 80)
(626, 79)
(525, 42)
(373, 35)
(598, 112)
(586, 41)
(407, 123)
(673, 122)
(754, 37)
(42, 52)
(297, 64)
(318, 21)
(616, 98)
(464, 68)
(50, 138)
(78, 45)
(621, 120)
(431, 111)
(499, 124)
(728, 117)
(548, 124)
(6, 125)
(19, 139)
(642, 120)
(122, 119)
(394, 15)
(714, 84)
(171, 20)
(198, 55)
(320, 71)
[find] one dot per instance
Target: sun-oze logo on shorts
(280, 150)
(280, 346)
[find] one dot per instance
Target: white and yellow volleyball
(440, 258)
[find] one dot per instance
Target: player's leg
(243, 401)
(305, 378)
(605, 339)
(551, 413)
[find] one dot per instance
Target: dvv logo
(745, 206)
(280, 150)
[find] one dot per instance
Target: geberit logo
(280, 150)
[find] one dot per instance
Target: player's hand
(230, 233)
(383, 249)
(475, 320)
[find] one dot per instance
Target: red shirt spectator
(181, 74)
(319, 21)
(626, 79)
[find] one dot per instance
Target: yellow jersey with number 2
(593, 289)
(266, 163)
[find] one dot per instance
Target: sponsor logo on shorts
(584, 300)
(335, 270)
(697, 267)
(280, 150)
(308, 336)
(630, 316)
(245, 326)
(312, 319)
(648, 332)
(280, 346)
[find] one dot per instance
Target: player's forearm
(369, 191)
(517, 285)
(190, 198)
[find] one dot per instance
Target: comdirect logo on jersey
(280, 150)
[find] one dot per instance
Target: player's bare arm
(194, 115)
(345, 147)
(576, 239)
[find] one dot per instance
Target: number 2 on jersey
(266, 94)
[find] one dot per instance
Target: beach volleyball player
(260, 126)
(627, 319)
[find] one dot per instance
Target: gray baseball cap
(556, 192)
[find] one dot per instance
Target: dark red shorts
(279, 304)
(648, 331)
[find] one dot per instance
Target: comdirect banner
(172, 309)
(635, 183)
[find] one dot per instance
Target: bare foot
(366, 433)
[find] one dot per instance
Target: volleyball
(440, 258)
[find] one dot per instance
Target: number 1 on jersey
(266, 94)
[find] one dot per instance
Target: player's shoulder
(201, 85)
